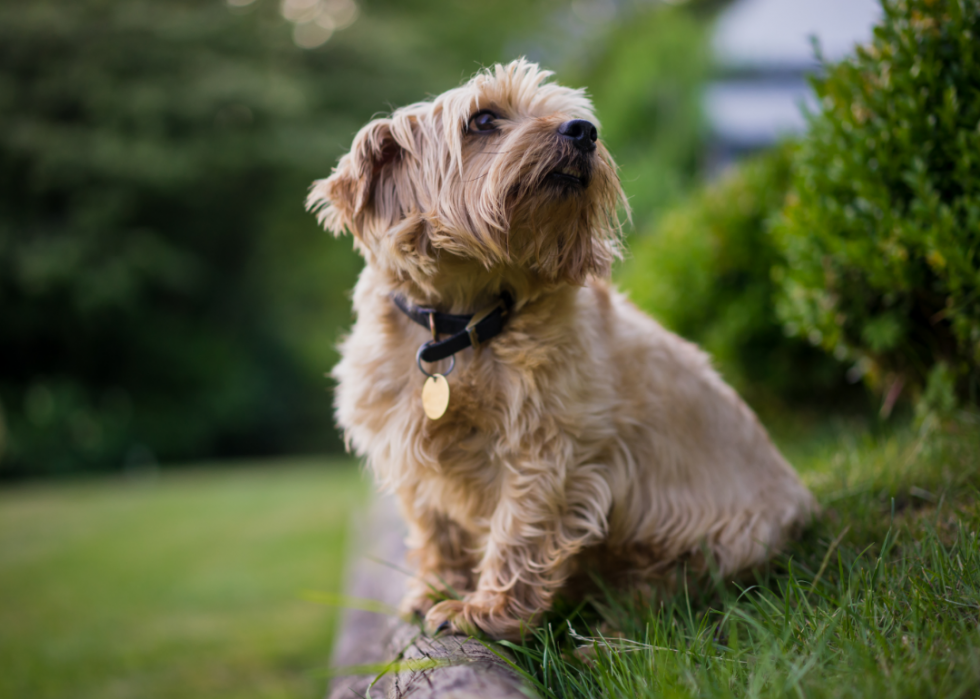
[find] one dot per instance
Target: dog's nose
(581, 133)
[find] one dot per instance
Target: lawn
(187, 584)
(191, 584)
(880, 598)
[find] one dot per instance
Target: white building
(764, 50)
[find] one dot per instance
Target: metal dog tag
(435, 396)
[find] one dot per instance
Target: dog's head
(506, 172)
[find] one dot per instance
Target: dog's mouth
(570, 175)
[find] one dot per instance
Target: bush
(882, 234)
(704, 272)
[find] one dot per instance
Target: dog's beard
(569, 178)
(561, 211)
(536, 164)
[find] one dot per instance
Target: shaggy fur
(585, 435)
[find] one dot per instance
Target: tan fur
(585, 432)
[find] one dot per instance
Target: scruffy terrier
(567, 433)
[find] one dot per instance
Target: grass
(185, 585)
(881, 598)
(190, 585)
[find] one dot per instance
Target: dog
(568, 434)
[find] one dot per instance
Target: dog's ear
(342, 199)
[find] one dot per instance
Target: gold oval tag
(435, 396)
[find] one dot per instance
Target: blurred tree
(162, 293)
(646, 82)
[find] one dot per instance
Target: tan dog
(583, 437)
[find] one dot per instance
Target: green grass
(186, 585)
(190, 585)
(881, 598)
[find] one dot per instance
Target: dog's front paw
(416, 604)
(469, 618)
(424, 592)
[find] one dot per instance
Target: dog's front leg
(439, 551)
(545, 516)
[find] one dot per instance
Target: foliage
(646, 84)
(704, 272)
(163, 294)
(881, 598)
(882, 236)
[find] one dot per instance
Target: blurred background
(164, 295)
(174, 497)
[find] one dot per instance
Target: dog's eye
(483, 122)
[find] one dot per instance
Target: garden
(175, 503)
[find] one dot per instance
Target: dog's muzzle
(577, 139)
(580, 133)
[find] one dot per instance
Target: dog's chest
(511, 394)
(379, 406)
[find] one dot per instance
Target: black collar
(464, 331)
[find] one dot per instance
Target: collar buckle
(478, 318)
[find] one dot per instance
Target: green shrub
(882, 235)
(704, 272)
